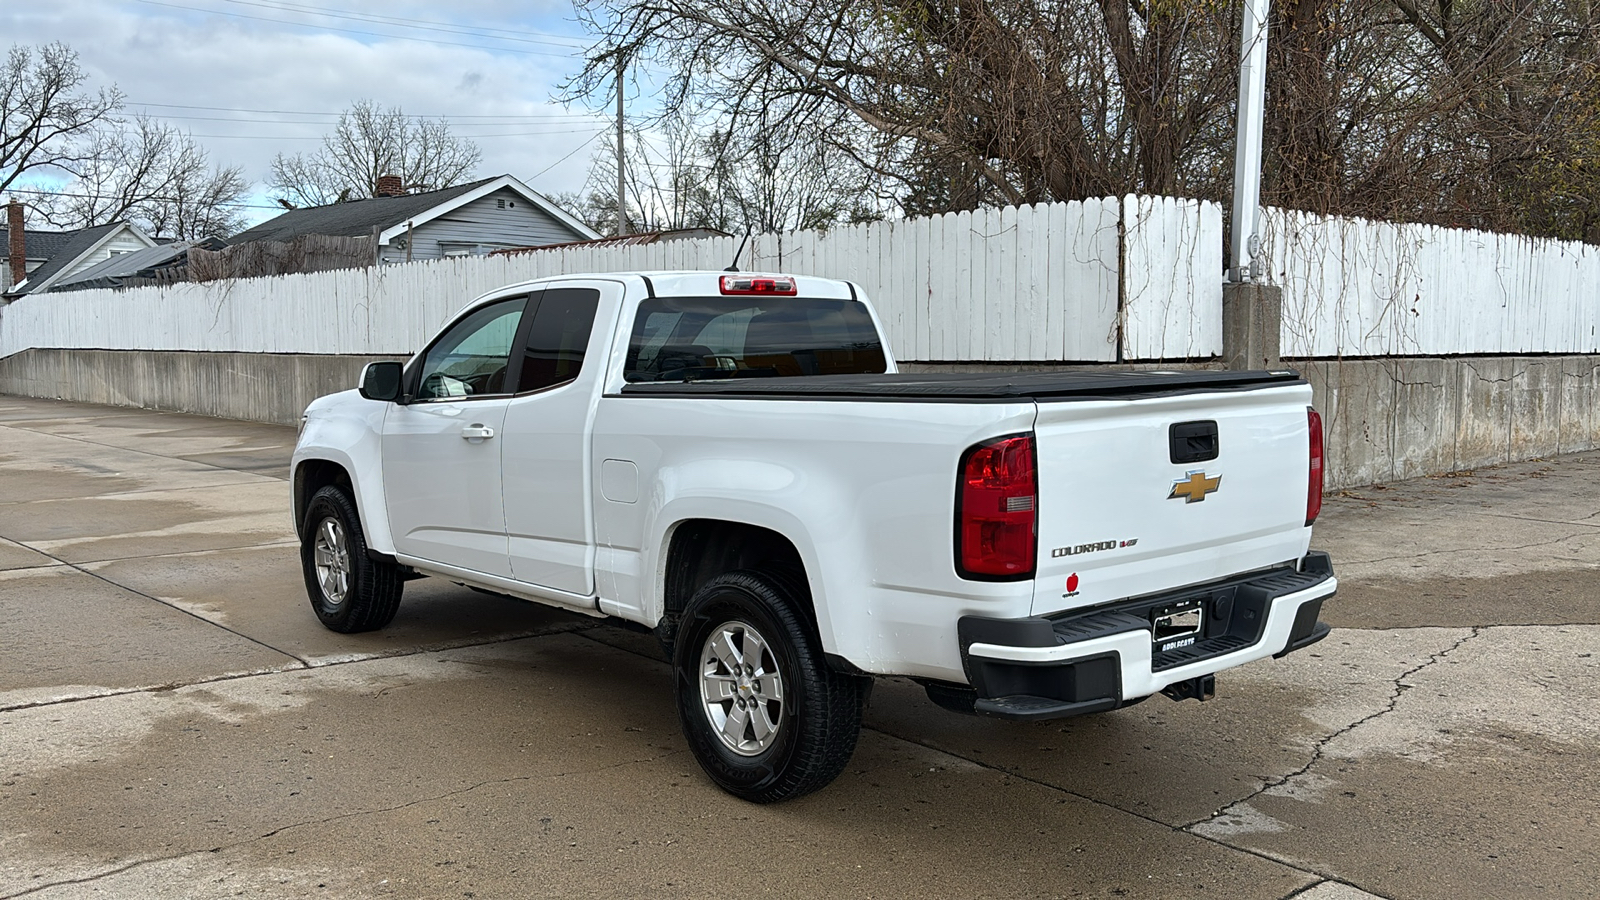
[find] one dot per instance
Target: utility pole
(622, 197)
(1252, 310)
(1246, 241)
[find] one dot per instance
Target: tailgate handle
(1193, 442)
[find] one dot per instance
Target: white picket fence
(1032, 283)
(1137, 278)
(1353, 287)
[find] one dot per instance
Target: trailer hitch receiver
(1202, 688)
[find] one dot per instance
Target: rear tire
(763, 713)
(349, 591)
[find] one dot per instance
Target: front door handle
(477, 432)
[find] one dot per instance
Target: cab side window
(558, 337)
(470, 359)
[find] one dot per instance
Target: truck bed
(974, 388)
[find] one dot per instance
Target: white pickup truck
(733, 461)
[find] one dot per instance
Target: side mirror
(381, 381)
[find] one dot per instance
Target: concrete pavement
(175, 723)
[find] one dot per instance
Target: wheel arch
(700, 549)
(314, 471)
(314, 474)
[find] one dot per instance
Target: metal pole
(622, 198)
(1247, 149)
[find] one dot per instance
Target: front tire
(349, 591)
(764, 715)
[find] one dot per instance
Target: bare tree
(44, 111)
(202, 203)
(1467, 114)
(1482, 113)
(963, 103)
(369, 142)
(594, 209)
(155, 175)
(774, 178)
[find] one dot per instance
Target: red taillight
(758, 284)
(1314, 479)
(996, 507)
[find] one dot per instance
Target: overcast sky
(252, 78)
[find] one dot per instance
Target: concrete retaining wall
(258, 387)
(1386, 419)
(1396, 418)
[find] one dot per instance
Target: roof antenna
(734, 267)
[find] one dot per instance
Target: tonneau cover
(969, 388)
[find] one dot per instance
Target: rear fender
(743, 512)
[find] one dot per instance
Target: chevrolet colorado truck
(733, 461)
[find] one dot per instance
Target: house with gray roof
(466, 220)
(52, 256)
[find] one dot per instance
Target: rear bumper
(1089, 661)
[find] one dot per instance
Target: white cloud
(208, 55)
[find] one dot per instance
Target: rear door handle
(477, 432)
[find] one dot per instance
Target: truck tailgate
(1130, 505)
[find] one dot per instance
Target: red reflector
(996, 510)
(758, 284)
(1314, 477)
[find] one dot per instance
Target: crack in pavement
(576, 628)
(166, 456)
(1106, 804)
(145, 490)
(291, 542)
(190, 613)
(1038, 782)
(1425, 554)
(1545, 521)
(336, 818)
(1400, 688)
(287, 542)
(148, 688)
(1306, 891)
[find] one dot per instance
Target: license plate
(1176, 626)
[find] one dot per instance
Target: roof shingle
(353, 218)
(40, 244)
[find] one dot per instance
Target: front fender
(347, 430)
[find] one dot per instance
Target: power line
(38, 193)
(418, 24)
(523, 133)
(397, 37)
(315, 137)
(569, 155)
(303, 112)
(402, 20)
(553, 118)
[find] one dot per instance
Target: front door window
(470, 359)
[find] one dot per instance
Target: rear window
(696, 338)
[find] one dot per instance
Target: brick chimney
(390, 186)
(19, 242)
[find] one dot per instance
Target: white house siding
(484, 222)
(5, 270)
(124, 240)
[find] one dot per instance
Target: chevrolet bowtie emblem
(1194, 488)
